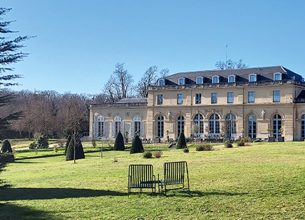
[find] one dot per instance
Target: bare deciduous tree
(230, 64)
(150, 77)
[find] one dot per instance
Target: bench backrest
(139, 174)
(175, 172)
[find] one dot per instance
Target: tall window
(230, 125)
(276, 95)
(303, 127)
(252, 78)
(161, 82)
(179, 99)
(137, 125)
(117, 125)
(160, 99)
(277, 125)
(252, 126)
(231, 79)
(215, 79)
(277, 76)
(213, 98)
(251, 97)
(198, 98)
(160, 126)
(181, 81)
(230, 97)
(199, 80)
(180, 123)
(100, 126)
(198, 122)
(214, 124)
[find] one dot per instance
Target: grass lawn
(261, 181)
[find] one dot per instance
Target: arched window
(277, 125)
(198, 122)
(100, 128)
(160, 126)
(180, 123)
(137, 125)
(230, 125)
(117, 125)
(252, 126)
(214, 124)
(303, 126)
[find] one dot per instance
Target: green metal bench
(141, 176)
(176, 174)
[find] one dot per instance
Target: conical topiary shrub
(79, 151)
(137, 146)
(181, 142)
(6, 147)
(67, 143)
(119, 142)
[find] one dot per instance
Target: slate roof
(242, 75)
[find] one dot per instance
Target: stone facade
(260, 103)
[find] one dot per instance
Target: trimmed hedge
(79, 151)
(6, 158)
(181, 144)
(6, 147)
(137, 146)
(119, 142)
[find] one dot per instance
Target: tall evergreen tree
(137, 146)
(9, 54)
(119, 142)
(6, 147)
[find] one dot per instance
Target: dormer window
(181, 81)
(199, 80)
(252, 77)
(215, 79)
(161, 82)
(277, 76)
(231, 79)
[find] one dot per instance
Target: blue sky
(79, 42)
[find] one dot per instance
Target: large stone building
(261, 103)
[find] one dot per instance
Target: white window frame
(136, 123)
(230, 99)
(181, 83)
(217, 79)
(100, 130)
(254, 96)
(276, 98)
(255, 75)
(161, 82)
(197, 79)
(278, 73)
(234, 78)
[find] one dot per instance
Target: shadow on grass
(197, 193)
(12, 211)
(11, 194)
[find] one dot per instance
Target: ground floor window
(214, 124)
(198, 124)
(180, 124)
(277, 125)
(160, 126)
(117, 125)
(230, 125)
(252, 126)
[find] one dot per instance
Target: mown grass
(261, 181)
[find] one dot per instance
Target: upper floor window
(276, 95)
(199, 80)
(231, 79)
(213, 98)
(277, 76)
(198, 98)
(159, 99)
(252, 78)
(230, 97)
(161, 82)
(251, 97)
(181, 81)
(215, 79)
(179, 99)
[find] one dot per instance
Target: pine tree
(137, 146)
(119, 142)
(181, 141)
(9, 54)
(79, 151)
(67, 143)
(6, 147)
